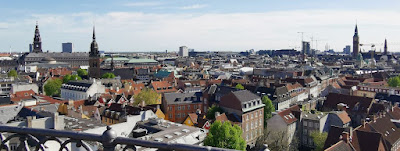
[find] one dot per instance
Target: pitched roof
(363, 140)
(387, 128)
(182, 98)
(288, 116)
(235, 99)
(333, 136)
(355, 103)
(193, 117)
(340, 146)
(344, 117)
(222, 117)
(162, 86)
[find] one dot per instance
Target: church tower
(356, 43)
(37, 41)
(94, 58)
(385, 49)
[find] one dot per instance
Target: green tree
(108, 75)
(394, 81)
(149, 96)
(82, 72)
(12, 73)
(211, 112)
(268, 108)
(224, 135)
(68, 78)
(319, 139)
(239, 86)
(52, 87)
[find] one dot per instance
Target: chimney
(345, 137)
(363, 122)
(217, 114)
(29, 120)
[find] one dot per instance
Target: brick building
(177, 106)
(250, 110)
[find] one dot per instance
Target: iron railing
(108, 140)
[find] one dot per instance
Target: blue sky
(205, 25)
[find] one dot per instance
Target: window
(252, 126)
(247, 127)
(169, 108)
(260, 121)
(305, 123)
(247, 117)
(256, 115)
(310, 124)
(305, 132)
(247, 136)
(183, 107)
(251, 115)
(256, 123)
(179, 108)
(170, 116)
(188, 107)
(316, 125)
(261, 113)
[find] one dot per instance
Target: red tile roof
(162, 87)
(287, 114)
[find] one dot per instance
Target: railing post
(108, 139)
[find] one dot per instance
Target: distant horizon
(145, 25)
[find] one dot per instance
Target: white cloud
(137, 31)
(195, 6)
(142, 4)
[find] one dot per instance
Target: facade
(310, 123)
(144, 63)
(356, 43)
(250, 109)
(346, 49)
(81, 90)
(117, 62)
(94, 59)
(17, 87)
(37, 41)
(30, 47)
(67, 47)
(285, 122)
(45, 63)
(183, 51)
(177, 106)
(75, 59)
(306, 48)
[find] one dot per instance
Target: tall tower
(385, 49)
(94, 58)
(37, 41)
(356, 43)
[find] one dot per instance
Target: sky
(203, 25)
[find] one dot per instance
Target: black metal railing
(108, 140)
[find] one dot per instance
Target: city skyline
(201, 25)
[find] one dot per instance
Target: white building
(183, 51)
(80, 90)
(16, 87)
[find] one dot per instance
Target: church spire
(94, 34)
(37, 41)
(356, 31)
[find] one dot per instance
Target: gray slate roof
(8, 112)
(245, 95)
(183, 98)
